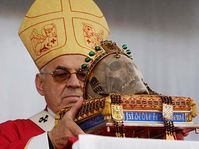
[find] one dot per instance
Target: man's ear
(39, 81)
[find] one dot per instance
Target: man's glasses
(62, 74)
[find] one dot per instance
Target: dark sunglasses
(60, 74)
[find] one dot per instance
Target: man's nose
(73, 81)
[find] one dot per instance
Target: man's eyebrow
(62, 67)
(65, 68)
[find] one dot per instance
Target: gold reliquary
(118, 102)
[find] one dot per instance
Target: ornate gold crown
(105, 48)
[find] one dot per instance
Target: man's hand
(181, 134)
(66, 127)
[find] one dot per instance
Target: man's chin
(70, 101)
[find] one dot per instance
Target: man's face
(62, 94)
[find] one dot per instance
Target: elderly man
(58, 34)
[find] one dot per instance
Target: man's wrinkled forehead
(68, 62)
